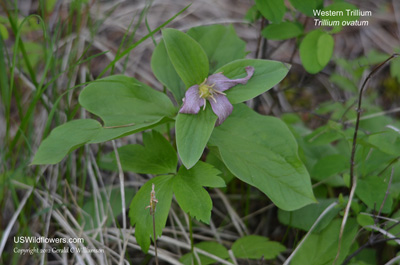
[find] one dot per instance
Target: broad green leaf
(330, 166)
(192, 134)
(372, 57)
(165, 72)
(316, 50)
(282, 31)
(192, 197)
(372, 191)
(273, 10)
(211, 247)
(321, 248)
(252, 14)
(387, 142)
(305, 217)
(325, 49)
(343, 82)
(140, 215)
(373, 162)
(109, 133)
(261, 151)
(187, 56)
(256, 247)
(267, 74)
(216, 161)
(112, 198)
(307, 6)
(121, 100)
(365, 220)
(220, 43)
(157, 156)
(64, 139)
(203, 174)
(324, 135)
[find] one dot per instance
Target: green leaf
(203, 174)
(325, 49)
(306, 6)
(282, 31)
(140, 216)
(316, 50)
(35, 53)
(252, 14)
(305, 217)
(157, 156)
(372, 192)
(64, 139)
(192, 134)
(387, 141)
(187, 56)
(189, 191)
(343, 82)
(261, 151)
(212, 248)
(365, 220)
(121, 100)
(165, 72)
(49, 5)
(256, 247)
(273, 10)
(330, 166)
(112, 198)
(324, 135)
(220, 43)
(215, 159)
(321, 249)
(4, 32)
(109, 133)
(267, 74)
(192, 197)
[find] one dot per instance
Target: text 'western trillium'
(212, 90)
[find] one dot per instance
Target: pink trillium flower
(212, 89)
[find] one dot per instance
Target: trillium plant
(206, 64)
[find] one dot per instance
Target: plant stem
(353, 177)
(154, 237)
(191, 235)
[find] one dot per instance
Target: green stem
(154, 237)
(191, 236)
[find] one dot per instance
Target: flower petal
(192, 101)
(223, 83)
(221, 107)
